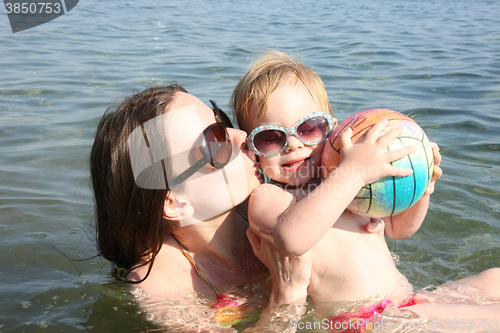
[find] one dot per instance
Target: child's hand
(407, 223)
(437, 172)
(369, 158)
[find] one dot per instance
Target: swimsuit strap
(189, 257)
(243, 215)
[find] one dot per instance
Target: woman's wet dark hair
(129, 219)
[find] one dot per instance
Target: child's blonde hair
(265, 75)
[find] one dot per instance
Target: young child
(283, 106)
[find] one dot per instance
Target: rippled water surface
(437, 61)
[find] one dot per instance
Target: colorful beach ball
(390, 195)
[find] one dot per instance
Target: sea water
(437, 61)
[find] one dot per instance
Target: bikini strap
(190, 258)
(243, 215)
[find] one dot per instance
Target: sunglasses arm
(189, 172)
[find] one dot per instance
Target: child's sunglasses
(216, 147)
(269, 140)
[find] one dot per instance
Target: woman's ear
(177, 209)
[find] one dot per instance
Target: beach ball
(389, 195)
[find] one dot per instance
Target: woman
(167, 173)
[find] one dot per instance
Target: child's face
(298, 163)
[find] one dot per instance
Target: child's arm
(405, 224)
(293, 227)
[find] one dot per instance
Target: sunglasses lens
(219, 145)
(269, 141)
(313, 130)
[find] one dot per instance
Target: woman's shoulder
(170, 275)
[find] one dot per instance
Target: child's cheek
(317, 153)
(270, 166)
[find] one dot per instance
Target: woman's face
(210, 191)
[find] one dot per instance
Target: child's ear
(177, 209)
(335, 122)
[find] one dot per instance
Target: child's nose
(293, 144)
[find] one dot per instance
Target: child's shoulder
(269, 191)
(269, 199)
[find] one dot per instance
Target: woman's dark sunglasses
(216, 147)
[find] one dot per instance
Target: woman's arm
(290, 278)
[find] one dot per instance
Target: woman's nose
(293, 144)
(239, 139)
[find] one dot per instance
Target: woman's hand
(290, 275)
(376, 226)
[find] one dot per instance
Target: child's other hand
(437, 172)
(369, 158)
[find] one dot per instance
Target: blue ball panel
(392, 195)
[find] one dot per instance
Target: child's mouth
(295, 165)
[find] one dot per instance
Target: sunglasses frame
(224, 121)
(289, 132)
